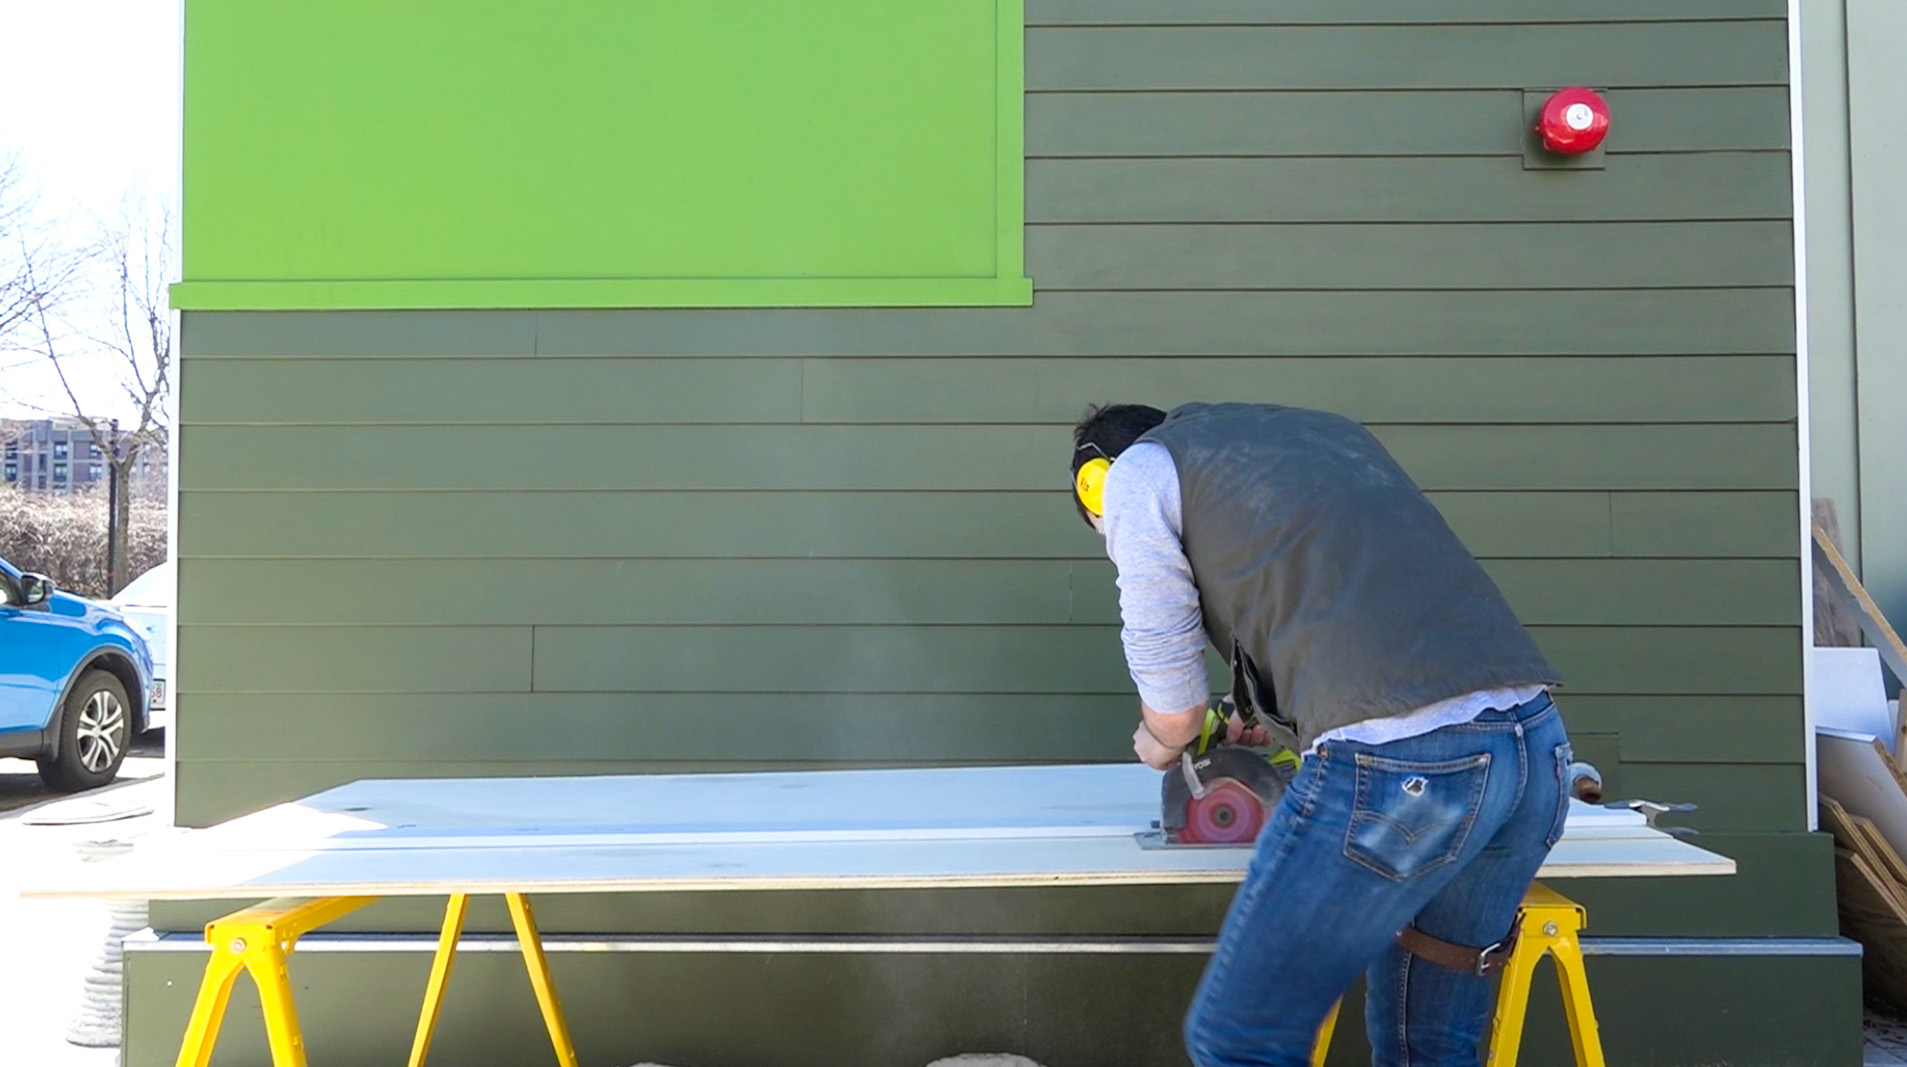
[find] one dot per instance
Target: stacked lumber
(1863, 791)
(1871, 889)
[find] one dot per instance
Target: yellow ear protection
(1089, 482)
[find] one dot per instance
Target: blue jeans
(1446, 831)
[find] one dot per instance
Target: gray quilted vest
(1334, 587)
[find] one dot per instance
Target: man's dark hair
(1107, 431)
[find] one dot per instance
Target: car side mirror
(35, 589)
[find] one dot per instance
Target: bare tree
(38, 274)
(119, 283)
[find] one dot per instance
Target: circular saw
(1222, 794)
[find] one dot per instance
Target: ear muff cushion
(1090, 484)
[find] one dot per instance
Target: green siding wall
(589, 541)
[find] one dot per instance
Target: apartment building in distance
(62, 454)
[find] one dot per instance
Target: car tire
(95, 727)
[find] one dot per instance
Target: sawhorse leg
(258, 940)
(530, 941)
(1547, 924)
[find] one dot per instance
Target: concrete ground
(50, 945)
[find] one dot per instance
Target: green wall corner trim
(591, 153)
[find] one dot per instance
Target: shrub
(63, 536)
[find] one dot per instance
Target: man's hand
(1161, 736)
(1153, 752)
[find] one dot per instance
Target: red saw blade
(1228, 814)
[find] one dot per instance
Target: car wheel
(95, 724)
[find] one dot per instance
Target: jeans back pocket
(1412, 817)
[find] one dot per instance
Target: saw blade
(1250, 771)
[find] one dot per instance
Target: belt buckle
(1485, 963)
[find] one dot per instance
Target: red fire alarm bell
(1574, 121)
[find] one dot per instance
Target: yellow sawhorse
(259, 940)
(1547, 924)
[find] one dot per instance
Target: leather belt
(1483, 962)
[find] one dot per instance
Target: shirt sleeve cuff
(1183, 697)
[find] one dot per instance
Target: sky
(89, 101)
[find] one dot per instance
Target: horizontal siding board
(889, 592)
(663, 726)
(1633, 189)
(1675, 660)
(637, 391)
(1559, 592)
(1692, 729)
(1482, 122)
(1026, 525)
(427, 592)
(491, 390)
(1371, 390)
(930, 457)
(1639, 323)
(1079, 659)
(1299, 12)
(1732, 524)
(1407, 57)
(1583, 256)
(421, 333)
(415, 659)
(1685, 592)
(1728, 797)
(855, 726)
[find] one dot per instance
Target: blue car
(75, 682)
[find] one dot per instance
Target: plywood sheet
(1860, 836)
(1855, 770)
(915, 828)
(1871, 916)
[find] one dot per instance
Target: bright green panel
(1422, 56)
(490, 390)
(1372, 390)
(928, 457)
(1695, 524)
(1022, 525)
(1670, 660)
(425, 153)
(426, 592)
(1433, 123)
(798, 727)
(418, 659)
(1299, 12)
(1706, 185)
(1693, 729)
(1080, 659)
(1552, 256)
(1633, 322)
